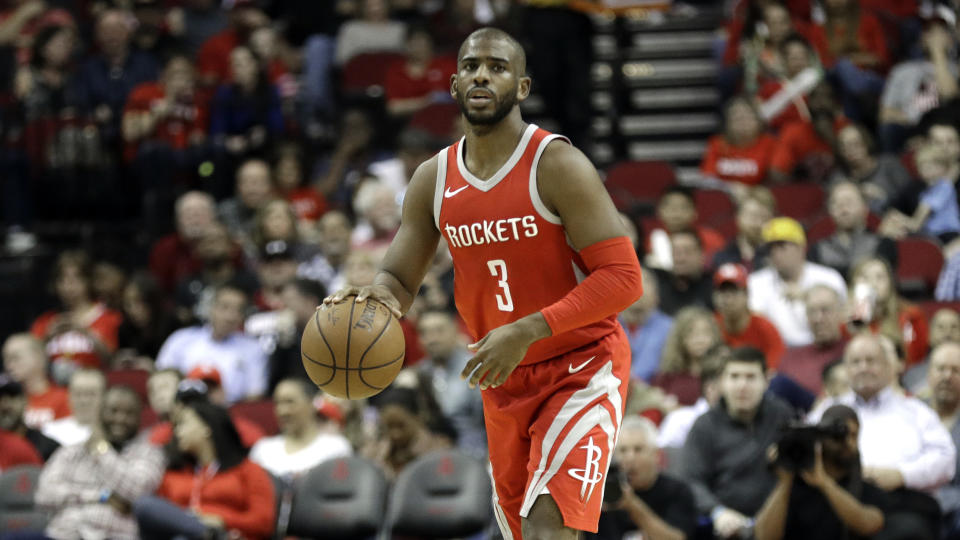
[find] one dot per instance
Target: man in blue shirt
(647, 328)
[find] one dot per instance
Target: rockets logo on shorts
(590, 475)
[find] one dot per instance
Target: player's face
(487, 85)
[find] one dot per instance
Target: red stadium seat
(17, 509)
(822, 228)
(439, 119)
(134, 378)
(802, 202)
(919, 261)
(630, 182)
(713, 206)
(365, 73)
(260, 413)
(931, 307)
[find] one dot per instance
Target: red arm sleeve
(613, 284)
(257, 519)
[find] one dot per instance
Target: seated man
(688, 283)
(851, 242)
(902, 442)
(738, 326)
(724, 457)
(826, 499)
(13, 402)
(677, 210)
(654, 504)
(647, 328)
(26, 362)
(86, 399)
(825, 312)
(944, 381)
(676, 425)
(91, 487)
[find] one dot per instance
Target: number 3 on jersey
(498, 269)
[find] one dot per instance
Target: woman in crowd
(693, 334)
(309, 432)
(147, 322)
(277, 220)
(246, 115)
(892, 316)
(404, 434)
(880, 177)
(741, 154)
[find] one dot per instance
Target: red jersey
(51, 405)
(744, 164)
(77, 347)
(510, 253)
(185, 119)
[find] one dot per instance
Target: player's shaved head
(517, 57)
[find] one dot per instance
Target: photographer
(828, 499)
(659, 506)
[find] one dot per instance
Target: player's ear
(453, 85)
(523, 89)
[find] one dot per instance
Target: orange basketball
(352, 350)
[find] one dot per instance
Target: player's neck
(489, 147)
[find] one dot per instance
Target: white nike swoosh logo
(581, 366)
(447, 194)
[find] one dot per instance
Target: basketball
(352, 350)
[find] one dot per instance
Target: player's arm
(411, 251)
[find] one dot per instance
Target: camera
(795, 449)
(612, 487)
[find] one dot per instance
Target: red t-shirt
(759, 333)
(400, 84)
(183, 122)
(75, 346)
(16, 451)
(307, 203)
(744, 164)
(46, 407)
(798, 141)
(213, 59)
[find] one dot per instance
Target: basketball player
(542, 265)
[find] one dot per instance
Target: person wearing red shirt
(213, 59)
(784, 100)
(420, 79)
(173, 258)
(809, 144)
(308, 204)
(210, 482)
(677, 211)
(742, 152)
(84, 333)
(26, 363)
(738, 327)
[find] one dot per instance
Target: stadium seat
(822, 228)
(365, 73)
(438, 119)
(931, 307)
(802, 202)
(444, 494)
(632, 182)
(260, 413)
(919, 261)
(713, 206)
(340, 498)
(17, 511)
(134, 378)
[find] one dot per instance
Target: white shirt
(767, 298)
(271, 454)
(239, 359)
(67, 431)
(677, 424)
(902, 433)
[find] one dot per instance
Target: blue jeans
(159, 519)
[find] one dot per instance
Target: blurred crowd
(261, 180)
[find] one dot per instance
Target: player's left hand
(499, 352)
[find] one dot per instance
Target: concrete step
(669, 124)
(670, 98)
(682, 150)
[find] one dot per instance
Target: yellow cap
(784, 229)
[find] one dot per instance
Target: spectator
(220, 344)
(210, 486)
(378, 215)
(334, 229)
(414, 146)
(307, 436)
(916, 86)
(214, 57)
(944, 382)
(288, 175)
(420, 79)
(146, 323)
(300, 299)
(245, 114)
(254, 189)
(944, 328)
(105, 80)
(825, 315)
(338, 175)
(902, 443)
(777, 292)
(173, 257)
(84, 332)
(151, 33)
(945, 139)
(677, 210)
(13, 403)
(218, 254)
(784, 95)
(835, 380)
(276, 221)
(851, 241)
(161, 392)
(880, 177)
(829, 500)
(754, 210)
(677, 423)
(447, 355)
(26, 363)
(107, 284)
(403, 435)
(196, 21)
(647, 328)
(693, 334)
(688, 283)
(724, 455)
(277, 268)
(86, 389)
(456, 20)
(372, 31)
(742, 153)
(891, 315)
(738, 327)
(804, 150)
(761, 57)
(937, 213)
(655, 504)
(91, 487)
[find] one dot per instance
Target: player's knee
(545, 522)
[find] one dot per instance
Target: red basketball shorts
(551, 429)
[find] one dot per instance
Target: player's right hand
(377, 292)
